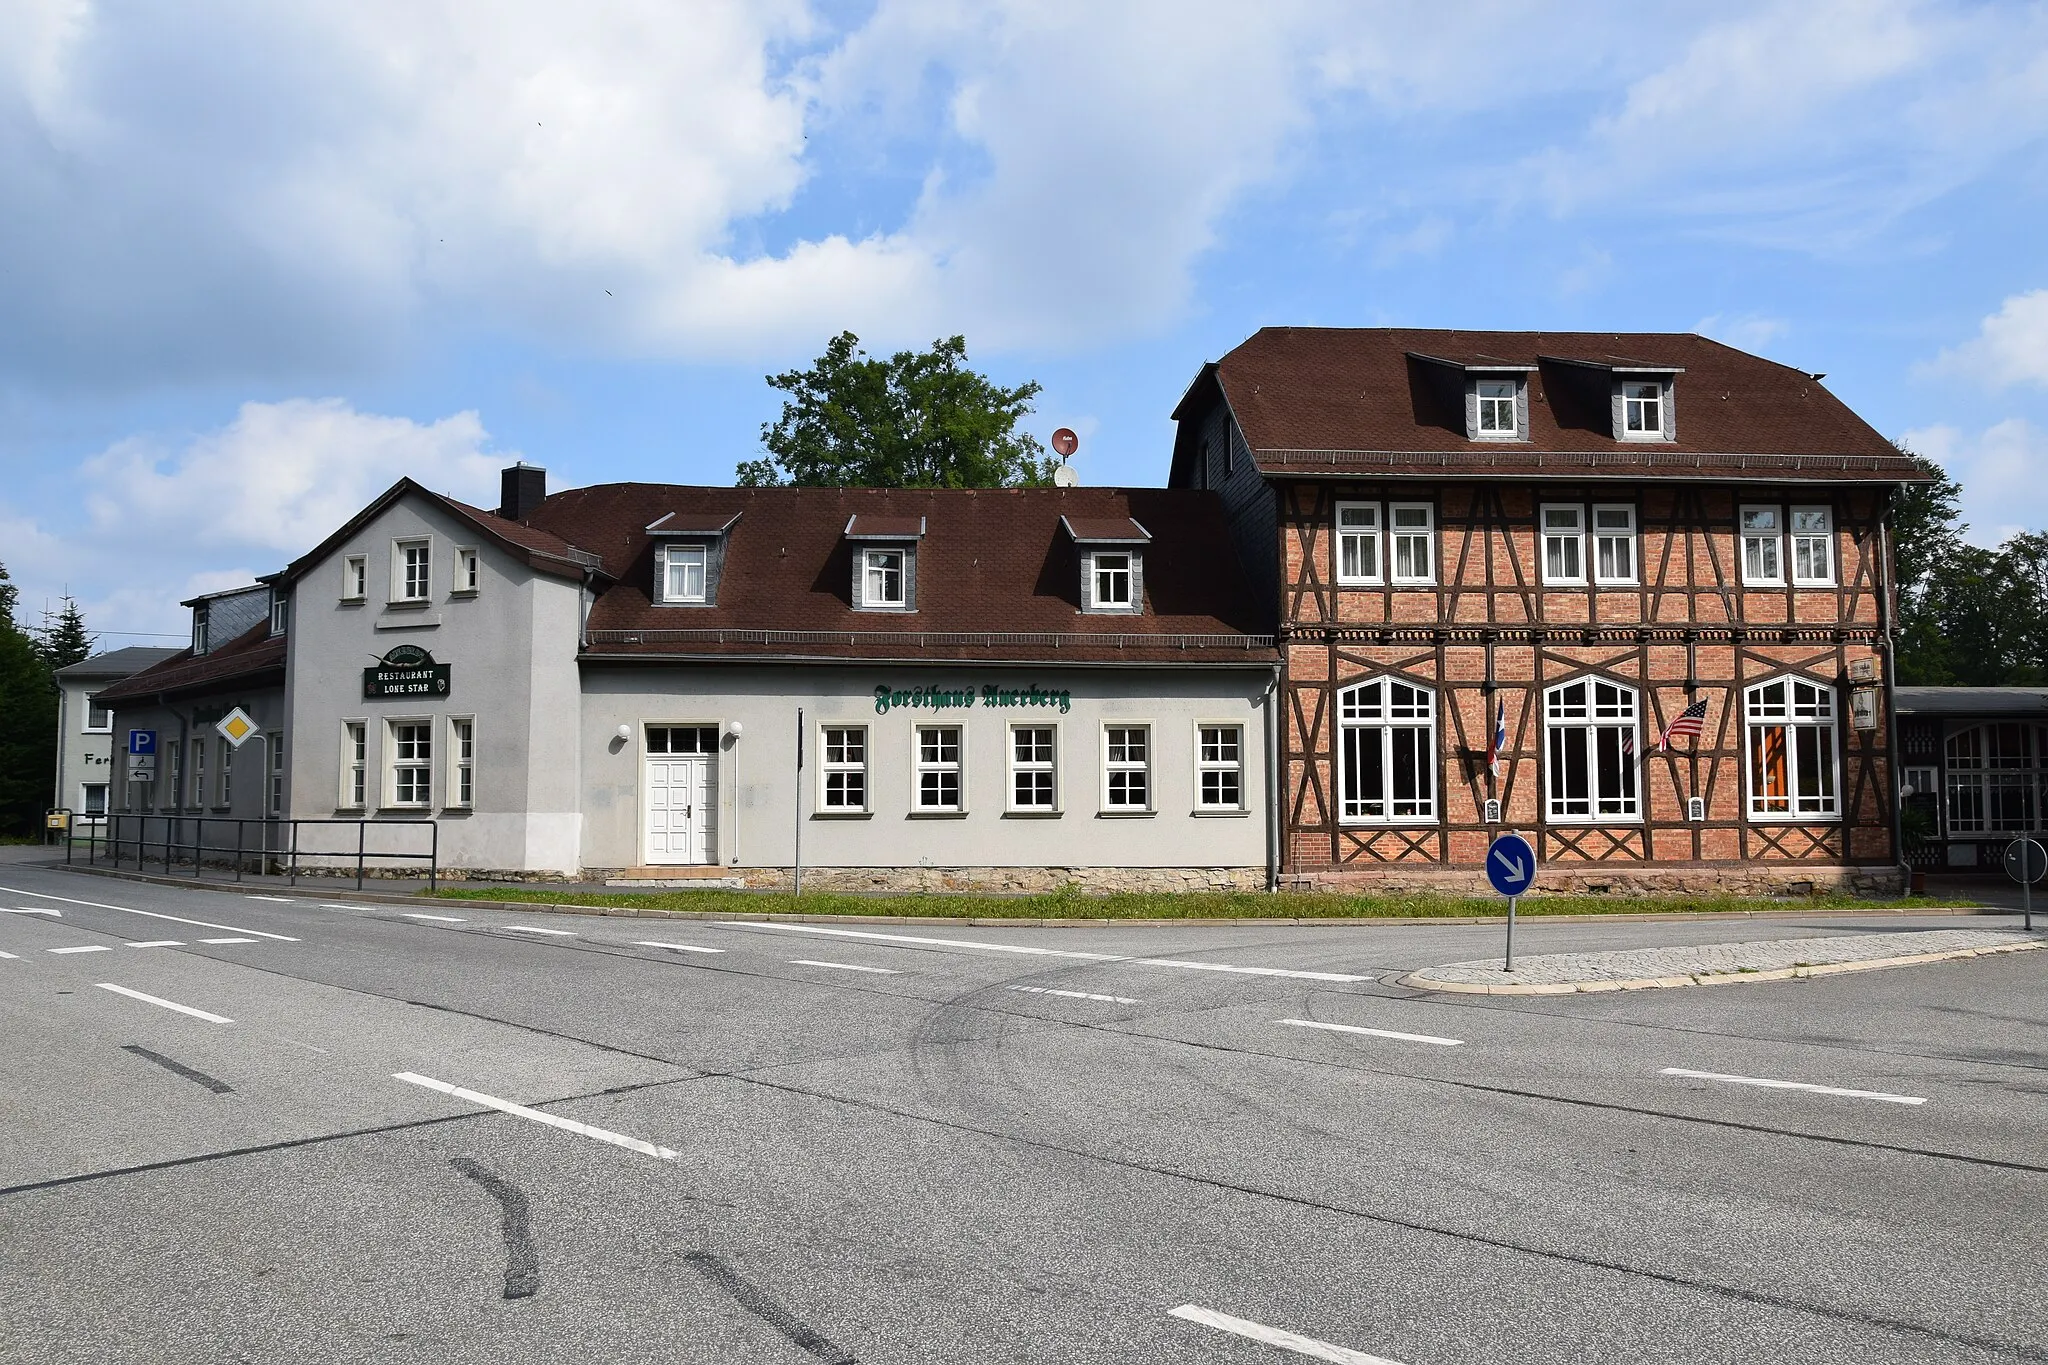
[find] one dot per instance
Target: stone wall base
(1663, 879)
(1095, 880)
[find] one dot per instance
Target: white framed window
(199, 628)
(1412, 528)
(1642, 411)
(1763, 536)
(355, 578)
(1996, 772)
(355, 765)
(683, 573)
(843, 768)
(468, 570)
(413, 570)
(1791, 768)
(1614, 543)
(280, 612)
(1127, 767)
(1034, 771)
(940, 771)
(462, 750)
(1497, 421)
(92, 800)
(1358, 542)
(274, 743)
(198, 774)
(1386, 753)
(1219, 767)
(412, 763)
(177, 794)
(1591, 726)
(1112, 578)
(1564, 544)
(226, 754)
(882, 578)
(1813, 547)
(99, 720)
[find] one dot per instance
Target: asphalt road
(1020, 1145)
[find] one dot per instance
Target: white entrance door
(681, 813)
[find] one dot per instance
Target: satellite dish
(1064, 476)
(1065, 442)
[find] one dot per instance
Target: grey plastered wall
(511, 650)
(82, 755)
(179, 721)
(758, 790)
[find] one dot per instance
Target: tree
(920, 419)
(67, 641)
(28, 722)
(1968, 616)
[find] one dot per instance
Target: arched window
(1791, 734)
(1995, 773)
(1386, 753)
(1592, 747)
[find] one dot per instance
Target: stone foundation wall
(1727, 879)
(1098, 880)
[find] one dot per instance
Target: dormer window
(882, 578)
(689, 557)
(280, 612)
(684, 569)
(1112, 579)
(1112, 562)
(1642, 411)
(1497, 420)
(199, 628)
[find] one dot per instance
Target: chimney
(521, 489)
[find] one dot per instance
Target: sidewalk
(1718, 963)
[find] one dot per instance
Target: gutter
(1890, 684)
(914, 661)
(1273, 792)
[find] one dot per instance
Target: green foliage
(67, 641)
(28, 722)
(1968, 616)
(920, 419)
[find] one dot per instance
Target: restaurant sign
(407, 671)
(943, 697)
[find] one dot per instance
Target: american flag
(1500, 737)
(1690, 721)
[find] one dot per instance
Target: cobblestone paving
(1676, 965)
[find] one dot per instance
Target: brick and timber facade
(1573, 538)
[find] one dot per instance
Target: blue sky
(256, 261)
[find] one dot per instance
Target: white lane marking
(167, 1004)
(153, 914)
(1274, 1336)
(843, 966)
(275, 900)
(1041, 952)
(1075, 995)
(11, 957)
(678, 947)
(88, 948)
(1375, 1032)
(439, 919)
(348, 907)
(536, 929)
(506, 1106)
(1794, 1085)
(159, 943)
(227, 940)
(30, 910)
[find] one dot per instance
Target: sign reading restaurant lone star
(406, 671)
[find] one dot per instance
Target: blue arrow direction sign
(142, 741)
(1510, 864)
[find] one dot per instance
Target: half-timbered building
(1503, 566)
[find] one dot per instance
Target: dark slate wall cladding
(229, 617)
(1248, 508)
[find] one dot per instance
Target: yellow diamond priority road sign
(236, 726)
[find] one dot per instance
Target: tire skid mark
(522, 1262)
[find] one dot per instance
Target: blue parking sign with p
(142, 741)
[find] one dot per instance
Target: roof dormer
(1112, 562)
(1640, 395)
(884, 561)
(689, 557)
(1492, 392)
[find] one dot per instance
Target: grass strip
(1191, 905)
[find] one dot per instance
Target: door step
(683, 875)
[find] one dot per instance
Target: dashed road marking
(919, 941)
(227, 940)
(536, 929)
(843, 966)
(1375, 1032)
(153, 914)
(167, 1004)
(1794, 1085)
(11, 957)
(87, 948)
(438, 919)
(1275, 1336)
(159, 943)
(631, 1144)
(678, 947)
(274, 900)
(1075, 995)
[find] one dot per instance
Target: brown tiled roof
(997, 578)
(250, 659)
(1334, 400)
(875, 526)
(1116, 530)
(540, 549)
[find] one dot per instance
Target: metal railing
(276, 848)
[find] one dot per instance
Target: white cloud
(2011, 346)
(2000, 471)
(1746, 331)
(229, 504)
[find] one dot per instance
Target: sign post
(2026, 862)
(1510, 867)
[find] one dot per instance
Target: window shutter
(1087, 580)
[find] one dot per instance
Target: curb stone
(1419, 980)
